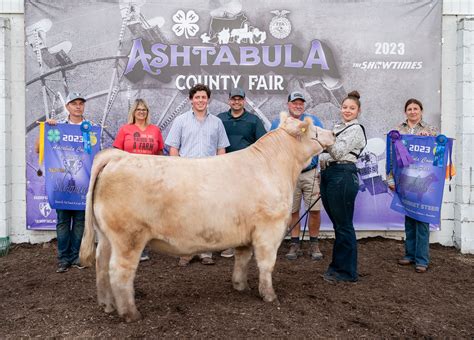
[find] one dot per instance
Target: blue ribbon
(86, 127)
(441, 141)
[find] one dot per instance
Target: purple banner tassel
(401, 153)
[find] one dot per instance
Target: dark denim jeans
(417, 241)
(339, 187)
(69, 230)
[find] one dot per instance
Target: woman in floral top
(417, 233)
(339, 187)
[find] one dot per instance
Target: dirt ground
(199, 301)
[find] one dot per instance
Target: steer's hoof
(241, 286)
(108, 306)
(270, 298)
(132, 317)
(109, 309)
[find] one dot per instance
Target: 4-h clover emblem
(54, 135)
(185, 23)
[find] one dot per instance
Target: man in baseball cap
(237, 92)
(73, 96)
(296, 95)
(75, 104)
(69, 238)
(307, 187)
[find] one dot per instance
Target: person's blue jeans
(69, 230)
(417, 241)
(339, 187)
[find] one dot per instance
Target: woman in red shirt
(140, 136)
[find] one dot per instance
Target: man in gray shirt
(197, 134)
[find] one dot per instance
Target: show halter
(311, 204)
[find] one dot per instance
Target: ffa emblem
(280, 26)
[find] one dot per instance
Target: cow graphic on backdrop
(230, 23)
(223, 37)
(232, 28)
(242, 34)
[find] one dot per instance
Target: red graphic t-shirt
(131, 139)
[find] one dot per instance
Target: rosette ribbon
(402, 155)
(41, 144)
(441, 141)
(86, 135)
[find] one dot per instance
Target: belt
(308, 169)
(339, 162)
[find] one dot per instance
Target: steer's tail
(87, 252)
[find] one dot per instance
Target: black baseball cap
(237, 92)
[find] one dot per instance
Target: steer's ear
(283, 116)
(304, 126)
(309, 121)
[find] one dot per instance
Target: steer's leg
(241, 264)
(104, 291)
(123, 265)
(266, 247)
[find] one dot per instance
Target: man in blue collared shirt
(307, 188)
(197, 134)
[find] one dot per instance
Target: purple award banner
(68, 165)
(420, 185)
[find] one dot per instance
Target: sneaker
(330, 277)
(334, 278)
(144, 256)
(207, 260)
(62, 268)
(294, 252)
(315, 252)
(421, 269)
(228, 252)
(404, 262)
(77, 265)
(184, 261)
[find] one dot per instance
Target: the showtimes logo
(389, 65)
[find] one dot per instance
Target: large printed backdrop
(116, 51)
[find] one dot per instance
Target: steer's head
(306, 130)
(313, 138)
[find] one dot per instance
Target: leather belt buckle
(338, 162)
